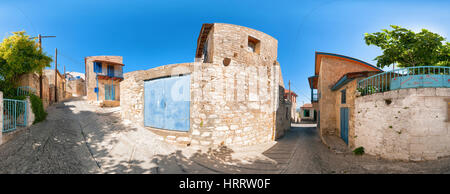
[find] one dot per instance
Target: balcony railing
(116, 74)
(410, 77)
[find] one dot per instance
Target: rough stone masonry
(234, 89)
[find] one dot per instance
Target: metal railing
(14, 114)
(25, 90)
(410, 77)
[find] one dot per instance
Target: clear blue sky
(154, 33)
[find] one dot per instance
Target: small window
(306, 113)
(253, 45)
(97, 67)
(205, 52)
(343, 97)
(110, 71)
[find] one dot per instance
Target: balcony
(108, 73)
(410, 77)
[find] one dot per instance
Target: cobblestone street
(78, 137)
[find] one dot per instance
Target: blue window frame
(110, 71)
(343, 97)
(97, 67)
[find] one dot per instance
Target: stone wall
(406, 124)
(216, 115)
(31, 80)
(30, 114)
(76, 87)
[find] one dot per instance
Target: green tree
(406, 48)
(19, 54)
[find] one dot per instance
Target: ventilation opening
(253, 45)
(388, 101)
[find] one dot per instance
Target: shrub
(359, 151)
(38, 109)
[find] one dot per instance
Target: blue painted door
(167, 103)
(344, 124)
(109, 92)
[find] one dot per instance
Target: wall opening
(253, 45)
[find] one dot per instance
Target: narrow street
(78, 137)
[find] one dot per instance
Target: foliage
(408, 49)
(19, 54)
(38, 109)
(367, 90)
(359, 151)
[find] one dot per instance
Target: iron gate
(14, 114)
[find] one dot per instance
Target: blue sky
(154, 33)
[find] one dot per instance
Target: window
(110, 71)
(97, 67)
(306, 113)
(205, 52)
(343, 97)
(253, 45)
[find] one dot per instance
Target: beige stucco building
(335, 81)
(103, 77)
(232, 94)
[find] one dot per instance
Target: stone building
(335, 80)
(61, 85)
(103, 77)
(232, 94)
(75, 84)
(307, 112)
(291, 96)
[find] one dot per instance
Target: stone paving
(79, 137)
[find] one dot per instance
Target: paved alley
(79, 137)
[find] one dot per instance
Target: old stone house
(291, 96)
(232, 94)
(307, 112)
(75, 84)
(103, 77)
(335, 81)
(60, 88)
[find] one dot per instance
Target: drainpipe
(98, 89)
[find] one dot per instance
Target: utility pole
(40, 72)
(56, 76)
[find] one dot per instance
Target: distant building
(307, 112)
(60, 88)
(291, 96)
(103, 77)
(75, 84)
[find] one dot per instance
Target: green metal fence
(14, 114)
(410, 77)
(25, 90)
